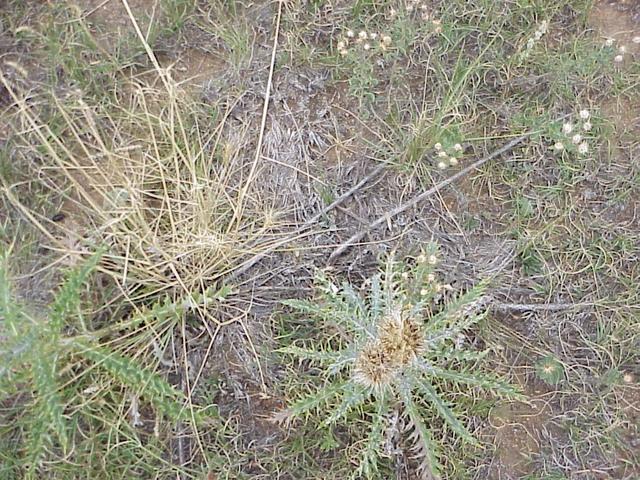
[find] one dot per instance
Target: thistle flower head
(398, 343)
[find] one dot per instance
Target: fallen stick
(541, 307)
(424, 195)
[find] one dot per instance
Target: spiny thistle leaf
(428, 392)
(308, 404)
(321, 357)
(49, 402)
(352, 395)
(476, 379)
(370, 454)
(162, 395)
(424, 448)
(67, 301)
(10, 310)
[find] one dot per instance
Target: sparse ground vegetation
(197, 199)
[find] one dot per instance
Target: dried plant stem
(424, 195)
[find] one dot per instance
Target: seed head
(398, 343)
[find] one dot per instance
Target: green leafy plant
(550, 370)
(390, 352)
(50, 354)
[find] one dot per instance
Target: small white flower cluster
(365, 40)
(446, 159)
(574, 133)
(423, 9)
(542, 29)
(621, 50)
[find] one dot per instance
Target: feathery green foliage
(396, 348)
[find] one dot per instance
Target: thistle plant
(51, 355)
(392, 352)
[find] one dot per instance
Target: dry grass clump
(157, 178)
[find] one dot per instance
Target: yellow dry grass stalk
(149, 176)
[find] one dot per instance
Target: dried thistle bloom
(372, 368)
(398, 342)
(401, 338)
